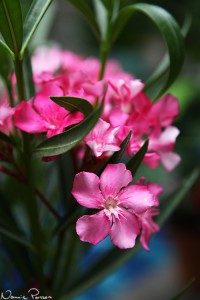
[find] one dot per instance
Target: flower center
(111, 206)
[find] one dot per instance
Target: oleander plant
(73, 132)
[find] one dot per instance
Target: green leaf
(74, 104)
(11, 25)
(107, 4)
(5, 62)
(3, 44)
(87, 13)
(115, 257)
(134, 163)
(118, 155)
(102, 18)
(167, 27)
(33, 18)
(164, 65)
(65, 141)
(184, 290)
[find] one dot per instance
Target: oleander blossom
(124, 209)
(102, 139)
(126, 108)
(41, 114)
(6, 114)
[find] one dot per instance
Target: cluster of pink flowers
(124, 209)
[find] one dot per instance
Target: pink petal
(165, 110)
(117, 117)
(148, 227)
(137, 197)
(151, 160)
(154, 188)
(86, 190)
(124, 230)
(145, 237)
(94, 228)
(166, 140)
(27, 119)
(169, 160)
(113, 178)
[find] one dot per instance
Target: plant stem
(70, 256)
(31, 204)
(103, 57)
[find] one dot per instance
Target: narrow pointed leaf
(11, 26)
(101, 17)
(5, 62)
(114, 258)
(87, 13)
(33, 18)
(118, 155)
(169, 30)
(3, 44)
(65, 141)
(134, 163)
(74, 104)
(164, 65)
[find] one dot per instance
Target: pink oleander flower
(6, 113)
(43, 71)
(163, 145)
(102, 139)
(124, 92)
(122, 206)
(41, 114)
(163, 112)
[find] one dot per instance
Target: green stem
(57, 257)
(20, 79)
(103, 57)
(69, 263)
(31, 204)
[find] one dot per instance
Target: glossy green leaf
(101, 17)
(74, 104)
(3, 44)
(184, 290)
(65, 141)
(115, 257)
(134, 163)
(5, 62)
(87, 13)
(33, 18)
(167, 27)
(163, 67)
(11, 26)
(107, 4)
(118, 155)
